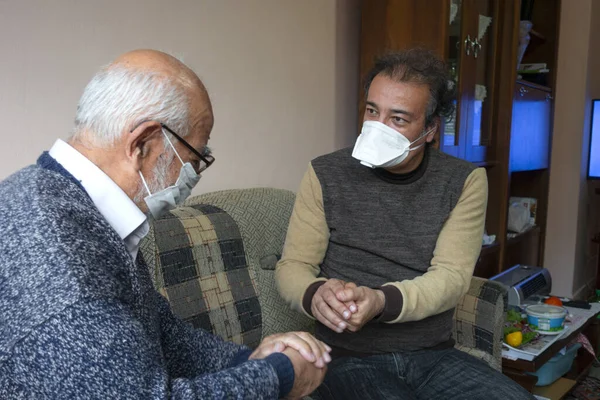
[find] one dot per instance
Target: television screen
(594, 157)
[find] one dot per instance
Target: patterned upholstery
(478, 321)
(262, 216)
(187, 244)
(218, 294)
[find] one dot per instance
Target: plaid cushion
(200, 267)
(262, 215)
(478, 321)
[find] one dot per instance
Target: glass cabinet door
(484, 42)
(450, 133)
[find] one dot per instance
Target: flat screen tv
(594, 156)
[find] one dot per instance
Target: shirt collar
(112, 202)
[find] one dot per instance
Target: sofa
(214, 259)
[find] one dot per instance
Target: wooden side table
(517, 369)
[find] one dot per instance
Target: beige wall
(593, 199)
(571, 213)
(282, 74)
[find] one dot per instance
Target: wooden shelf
(490, 248)
(581, 365)
(535, 85)
(533, 231)
(557, 390)
(487, 265)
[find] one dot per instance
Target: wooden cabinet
(452, 136)
(531, 128)
(472, 46)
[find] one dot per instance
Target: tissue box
(529, 203)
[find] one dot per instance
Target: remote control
(578, 304)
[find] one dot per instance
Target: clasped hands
(308, 356)
(338, 305)
(344, 306)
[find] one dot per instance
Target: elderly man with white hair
(79, 317)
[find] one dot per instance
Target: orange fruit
(553, 301)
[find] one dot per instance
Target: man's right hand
(307, 376)
(326, 308)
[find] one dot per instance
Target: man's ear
(143, 142)
(432, 129)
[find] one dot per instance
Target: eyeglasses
(204, 161)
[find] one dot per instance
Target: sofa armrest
(478, 321)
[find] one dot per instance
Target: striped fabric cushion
(200, 267)
(478, 321)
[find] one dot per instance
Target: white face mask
(172, 196)
(381, 146)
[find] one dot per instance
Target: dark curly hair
(419, 66)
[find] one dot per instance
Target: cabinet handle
(522, 91)
(549, 97)
(476, 48)
(468, 45)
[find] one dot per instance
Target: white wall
(590, 201)
(571, 218)
(282, 75)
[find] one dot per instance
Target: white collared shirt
(116, 207)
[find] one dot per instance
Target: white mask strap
(145, 184)
(173, 147)
(421, 137)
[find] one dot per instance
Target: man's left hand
(370, 303)
(311, 349)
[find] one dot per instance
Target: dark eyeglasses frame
(208, 159)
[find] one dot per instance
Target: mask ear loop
(419, 138)
(145, 184)
(173, 147)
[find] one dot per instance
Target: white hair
(117, 99)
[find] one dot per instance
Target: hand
(307, 377)
(370, 303)
(311, 349)
(328, 309)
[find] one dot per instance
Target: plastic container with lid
(557, 366)
(546, 318)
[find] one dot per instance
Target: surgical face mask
(169, 198)
(381, 146)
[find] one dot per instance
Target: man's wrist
(285, 372)
(394, 302)
(380, 301)
(309, 293)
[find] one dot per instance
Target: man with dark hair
(358, 254)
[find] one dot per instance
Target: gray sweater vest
(384, 231)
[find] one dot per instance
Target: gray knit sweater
(384, 228)
(79, 319)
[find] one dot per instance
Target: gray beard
(158, 180)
